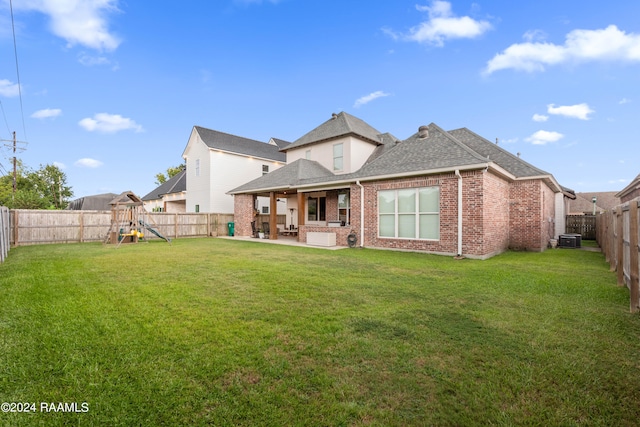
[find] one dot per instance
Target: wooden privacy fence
(34, 227)
(584, 225)
(4, 233)
(618, 237)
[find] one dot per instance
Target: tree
(45, 188)
(161, 178)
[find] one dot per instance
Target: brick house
(443, 192)
(631, 191)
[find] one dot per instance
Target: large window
(412, 213)
(337, 157)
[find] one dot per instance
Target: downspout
(459, 213)
(361, 213)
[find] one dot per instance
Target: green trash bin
(231, 226)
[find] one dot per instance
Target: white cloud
(543, 137)
(90, 61)
(59, 165)
(109, 123)
(442, 25)
(578, 111)
(540, 118)
(88, 163)
(624, 101)
(81, 22)
(47, 113)
(608, 44)
(368, 98)
(9, 89)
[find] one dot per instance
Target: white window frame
(397, 215)
(338, 159)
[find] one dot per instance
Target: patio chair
(265, 228)
(254, 230)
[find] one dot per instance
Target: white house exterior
(170, 196)
(218, 162)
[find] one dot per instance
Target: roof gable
(338, 125)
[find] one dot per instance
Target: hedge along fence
(35, 227)
(5, 231)
(618, 236)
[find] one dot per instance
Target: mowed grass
(220, 332)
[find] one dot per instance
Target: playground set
(129, 219)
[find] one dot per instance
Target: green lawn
(221, 332)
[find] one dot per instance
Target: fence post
(620, 246)
(634, 285)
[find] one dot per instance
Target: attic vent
(423, 132)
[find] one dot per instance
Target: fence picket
(618, 235)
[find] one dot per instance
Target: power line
(15, 52)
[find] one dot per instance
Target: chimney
(423, 132)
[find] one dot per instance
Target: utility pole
(15, 148)
(15, 168)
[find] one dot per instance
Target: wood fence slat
(29, 227)
(618, 235)
(634, 286)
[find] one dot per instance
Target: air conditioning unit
(568, 241)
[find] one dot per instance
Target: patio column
(301, 210)
(273, 216)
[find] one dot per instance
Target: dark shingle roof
(438, 150)
(175, 184)
(97, 202)
(512, 164)
(288, 176)
(237, 144)
(281, 143)
(338, 125)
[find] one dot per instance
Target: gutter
(459, 213)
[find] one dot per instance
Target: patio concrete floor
(282, 240)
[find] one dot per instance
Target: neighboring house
(217, 162)
(442, 192)
(583, 203)
(170, 196)
(98, 202)
(631, 191)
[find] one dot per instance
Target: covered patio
(318, 217)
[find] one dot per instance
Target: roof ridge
(229, 134)
(496, 146)
(460, 143)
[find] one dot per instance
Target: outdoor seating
(265, 228)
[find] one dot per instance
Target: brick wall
(526, 215)
(495, 214)
(447, 244)
(244, 213)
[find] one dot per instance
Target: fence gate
(582, 224)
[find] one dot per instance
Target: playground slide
(154, 231)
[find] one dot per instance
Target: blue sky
(109, 90)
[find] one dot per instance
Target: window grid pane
(410, 213)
